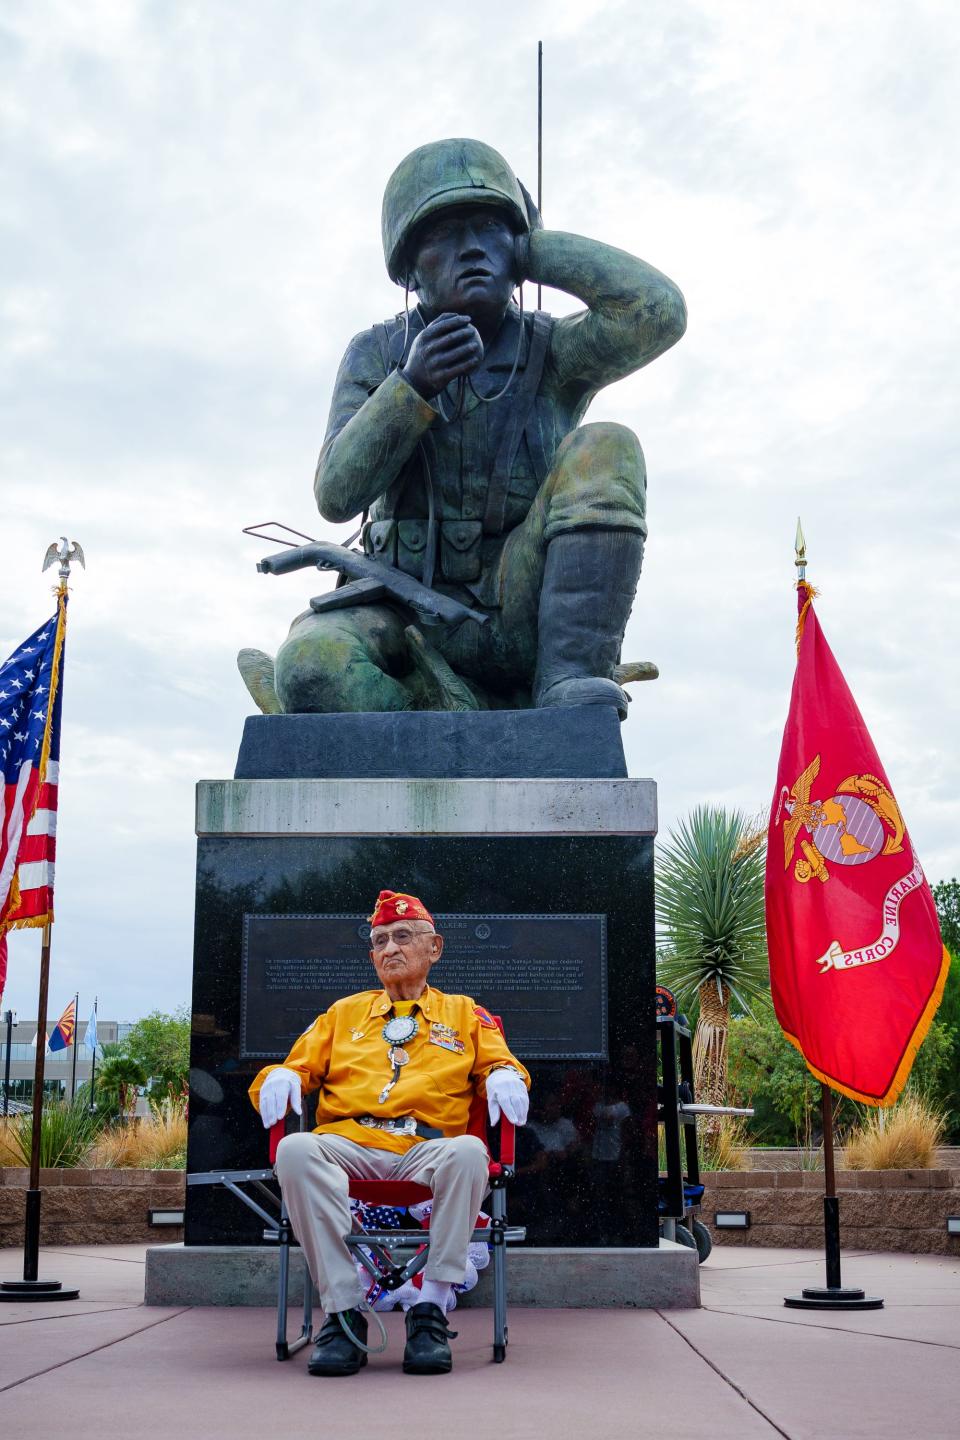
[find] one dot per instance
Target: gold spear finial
(800, 548)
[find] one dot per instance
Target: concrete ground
(742, 1366)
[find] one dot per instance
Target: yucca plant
(712, 936)
(67, 1131)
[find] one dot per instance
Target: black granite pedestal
(543, 883)
(435, 744)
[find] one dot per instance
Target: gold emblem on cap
(402, 907)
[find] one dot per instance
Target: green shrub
(160, 1043)
(770, 1074)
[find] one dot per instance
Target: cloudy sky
(189, 221)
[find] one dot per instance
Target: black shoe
(427, 1351)
(334, 1352)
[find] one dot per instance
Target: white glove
(507, 1092)
(280, 1090)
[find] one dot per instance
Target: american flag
(377, 1217)
(31, 695)
(374, 1217)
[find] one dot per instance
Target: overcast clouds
(189, 216)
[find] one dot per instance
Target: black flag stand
(834, 1295)
(30, 1288)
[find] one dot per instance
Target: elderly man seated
(397, 1069)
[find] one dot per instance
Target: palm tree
(710, 918)
(119, 1080)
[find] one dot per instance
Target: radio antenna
(540, 146)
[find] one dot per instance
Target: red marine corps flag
(857, 966)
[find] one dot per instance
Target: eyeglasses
(403, 937)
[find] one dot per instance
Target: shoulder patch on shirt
(485, 1018)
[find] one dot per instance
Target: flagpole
(93, 1065)
(8, 1019)
(834, 1295)
(76, 1028)
(31, 1245)
(30, 1288)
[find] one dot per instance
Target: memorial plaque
(546, 975)
(584, 981)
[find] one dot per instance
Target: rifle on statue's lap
(368, 580)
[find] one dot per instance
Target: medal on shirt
(397, 1032)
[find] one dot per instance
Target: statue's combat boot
(589, 582)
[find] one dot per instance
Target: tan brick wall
(779, 1157)
(900, 1210)
(93, 1207)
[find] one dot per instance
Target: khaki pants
(314, 1173)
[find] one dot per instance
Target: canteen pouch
(460, 540)
(411, 546)
(380, 540)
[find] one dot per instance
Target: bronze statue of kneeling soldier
(396, 1069)
(455, 431)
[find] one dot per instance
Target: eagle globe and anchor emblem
(858, 823)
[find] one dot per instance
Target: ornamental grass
(724, 1146)
(905, 1137)
(158, 1142)
(9, 1150)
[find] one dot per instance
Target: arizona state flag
(62, 1034)
(857, 966)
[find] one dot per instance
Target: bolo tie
(397, 1032)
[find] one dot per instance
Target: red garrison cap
(393, 905)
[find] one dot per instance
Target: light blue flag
(90, 1039)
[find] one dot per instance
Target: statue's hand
(449, 346)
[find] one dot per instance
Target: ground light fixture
(732, 1220)
(166, 1217)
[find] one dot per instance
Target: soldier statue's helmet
(436, 177)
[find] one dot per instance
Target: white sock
(436, 1292)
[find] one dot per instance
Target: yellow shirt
(344, 1055)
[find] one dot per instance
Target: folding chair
(375, 1248)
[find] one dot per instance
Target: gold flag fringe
(902, 1073)
(810, 592)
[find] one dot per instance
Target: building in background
(58, 1067)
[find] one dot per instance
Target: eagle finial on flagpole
(66, 552)
(800, 548)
